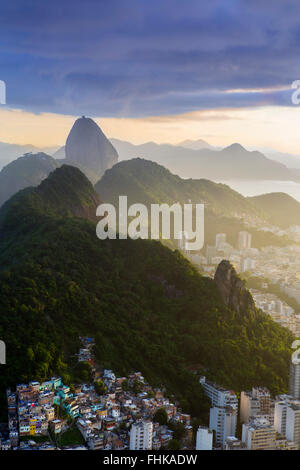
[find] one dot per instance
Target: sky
(161, 70)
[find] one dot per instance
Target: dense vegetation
(280, 208)
(146, 306)
(147, 182)
(226, 210)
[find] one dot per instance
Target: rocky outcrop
(232, 289)
(89, 149)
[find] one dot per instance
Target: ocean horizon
(255, 187)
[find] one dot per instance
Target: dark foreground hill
(146, 306)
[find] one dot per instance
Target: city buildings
(123, 416)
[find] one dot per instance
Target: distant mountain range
(291, 161)
(196, 144)
(189, 159)
(287, 159)
(9, 152)
(233, 162)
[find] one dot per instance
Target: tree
(161, 416)
(100, 387)
(174, 444)
(178, 429)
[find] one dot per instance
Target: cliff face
(233, 292)
(89, 149)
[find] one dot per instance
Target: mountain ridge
(28, 170)
(232, 162)
(280, 208)
(226, 210)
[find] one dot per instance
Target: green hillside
(226, 210)
(147, 182)
(280, 208)
(146, 306)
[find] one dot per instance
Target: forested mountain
(279, 208)
(226, 210)
(147, 306)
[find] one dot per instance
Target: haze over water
(254, 187)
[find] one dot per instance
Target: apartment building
(141, 435)
(219, 396)
(204, 439)
(223, 421)
(258, 434)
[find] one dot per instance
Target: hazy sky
(162, 70)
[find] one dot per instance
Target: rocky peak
(232, 289)
(88, 148)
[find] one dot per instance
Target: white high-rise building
(287, 419)
(141, 435)
(220, 240)
(294, 383)
(293, 423)
(219, 396)
(247, 264)
(244, 240)
(204, 439)
(280, 416)
(222, 419)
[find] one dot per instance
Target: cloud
(141, 58)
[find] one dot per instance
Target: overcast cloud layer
(143, 58)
